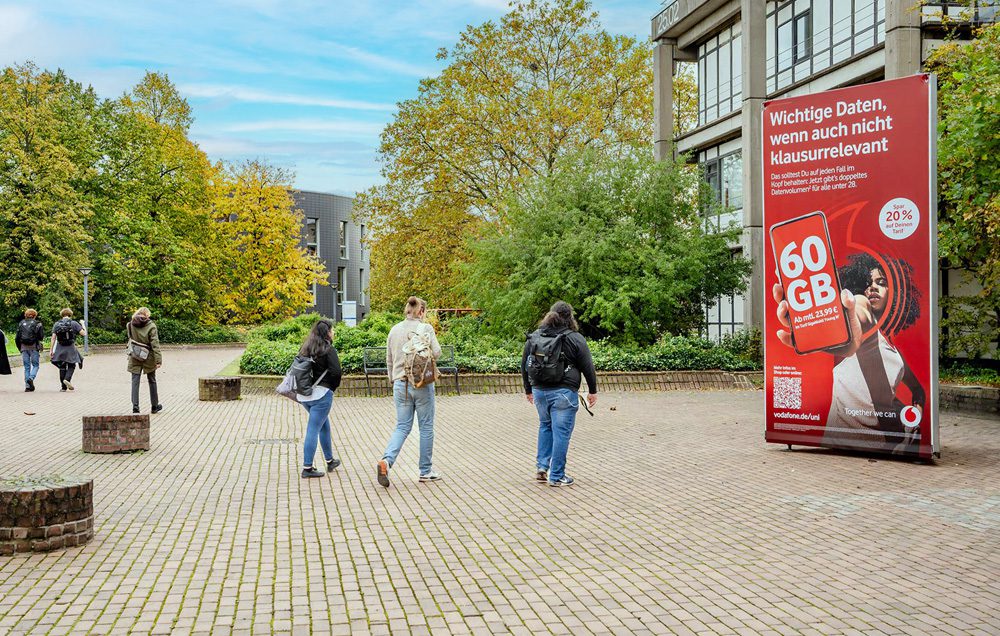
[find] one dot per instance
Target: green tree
(969, 187)
(45, 138)
(516, 95)
(621, 239)
(266, 273)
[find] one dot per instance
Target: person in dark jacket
(326, 378)
(29, 339)
(558, 402)
(64, 354)
(4, 362)
(143, 336)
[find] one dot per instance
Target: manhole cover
(280, 440)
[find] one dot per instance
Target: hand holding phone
(847, 299)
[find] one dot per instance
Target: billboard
(850, 253)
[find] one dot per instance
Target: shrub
(173, 331)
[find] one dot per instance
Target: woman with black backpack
(325, 380)
(554, 359)
(64, 353)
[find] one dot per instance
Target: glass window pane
(737, 71)
(784, 46)
(770, 50)
(841, 20)
(821, 26)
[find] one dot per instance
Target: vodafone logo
(910, 416)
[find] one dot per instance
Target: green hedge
(271, 348)
(174, 331)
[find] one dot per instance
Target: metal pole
(86, 316)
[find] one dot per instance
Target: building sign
(850, 268)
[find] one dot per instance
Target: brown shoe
(382, 473)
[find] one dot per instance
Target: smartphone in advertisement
(808, 275)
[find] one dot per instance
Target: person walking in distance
(555, 359)
(64, 353)
(410, 341)
(326, 374)
(29, 339)
(144, 356)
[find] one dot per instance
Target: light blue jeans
(30, 359)
(409, 402)
(556, 418)
(318, 428)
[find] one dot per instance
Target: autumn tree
(266, 273)
(515, 96)
(45, 139)
(969, 188)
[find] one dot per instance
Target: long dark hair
(318, 342)
(560, 316)
(903, 303)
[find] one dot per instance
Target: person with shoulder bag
(29, 339)
(555, 359)
(144, 356)
(314, 391)
(64, 354)
(410, 354)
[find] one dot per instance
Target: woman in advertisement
(866, 408)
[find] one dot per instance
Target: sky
(303, 84)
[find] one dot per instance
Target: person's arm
(154, 345)
(52, 348)
(333, 369)
(388, 352)
(39, 336)
(912, 383)
(585, 363)
(17, 337)
(83, 328)
(524, 372)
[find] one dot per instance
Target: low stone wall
(473, 383)
(219, 389)
(970, 399)
(115, 433)
(46, 513)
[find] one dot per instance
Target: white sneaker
(431, 476)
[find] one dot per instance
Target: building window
(312, 232)
(720, 75)
(725, 316)
(341, 285)
(361, 287)
(343, 239)
(362, 238)
(801, 37)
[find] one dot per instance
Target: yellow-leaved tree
(266, 272)
(515, 96)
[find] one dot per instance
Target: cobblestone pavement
(682, 521)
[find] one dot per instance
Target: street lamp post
(86, 308)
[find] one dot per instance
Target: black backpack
(65, 334)
(302, 375)
(27, 331)
(546, 364)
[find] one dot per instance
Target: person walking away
(555, 358)
(4, 362)
(144, 357)
(409, 398)
(326, 375)
(64, 353)
(29, 341)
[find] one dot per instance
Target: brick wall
(45, 515)
(115, 433)
(219, 389)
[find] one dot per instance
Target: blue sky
(304, 84)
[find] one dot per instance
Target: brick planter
(47, 513)
(115, 433)
(219, 389)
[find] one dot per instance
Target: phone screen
(808, 275)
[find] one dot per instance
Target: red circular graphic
(910, 415)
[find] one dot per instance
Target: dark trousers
(66, 370)
(154, 399)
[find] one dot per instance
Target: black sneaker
(27, 389)
(31, 385)
(157, 408)
(135, 409)
(382, 473)
(63, 387)
(541, 475)
(565, 481)
(333, 463)
(311, 472)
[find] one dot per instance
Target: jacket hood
(140, 321)
(552, 331)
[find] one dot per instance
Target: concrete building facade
(331, 233)
(748, 51)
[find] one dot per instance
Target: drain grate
(279, 440)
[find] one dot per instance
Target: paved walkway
(683, 521)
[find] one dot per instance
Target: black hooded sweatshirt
(579, 364)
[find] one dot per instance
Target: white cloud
(246, 94)
(367, 129)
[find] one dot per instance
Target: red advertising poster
(850, 343)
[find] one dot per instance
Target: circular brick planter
(115, 433)
(219, 389)
(45, 513)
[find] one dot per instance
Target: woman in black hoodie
(326, 378)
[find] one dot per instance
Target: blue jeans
(318, 428)
(410, 401)
(30, 359)
(556, 418)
